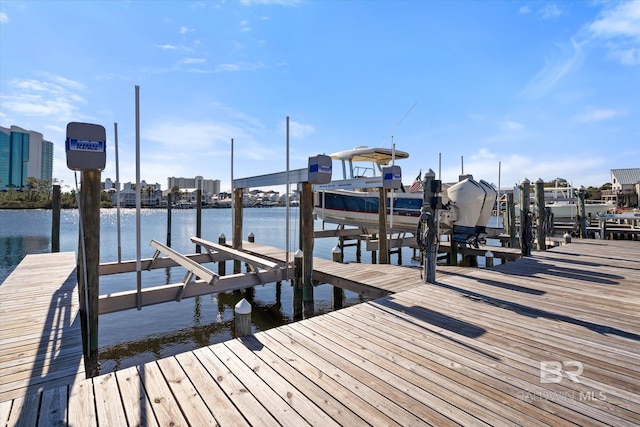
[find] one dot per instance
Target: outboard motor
(485, 215)
(473, 203)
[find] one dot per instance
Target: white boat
(563, 202)
(354, 200)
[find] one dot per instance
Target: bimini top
(381, 156)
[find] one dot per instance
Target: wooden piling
(242, 318)
(383, 250)
(338, 293)
(511, 215)
(297, 286)
(374, 254)
(306, 243)
(582, 217)
(542, 238)
(488, 259)
(88, 268)
(251, 238)
(222, 265)
(198, 218)
(525, 220)
(237, 226)
(55, 219)
(169, 206)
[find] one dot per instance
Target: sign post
(86, 152)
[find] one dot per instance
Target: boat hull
(360, 209)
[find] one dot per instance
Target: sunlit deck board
(372, 280)
(40, 341)
(464, 351)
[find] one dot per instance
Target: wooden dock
(552, 339)
(40, 340)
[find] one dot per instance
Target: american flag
(417, 184)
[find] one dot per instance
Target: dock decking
(40, 339)
(552, 339)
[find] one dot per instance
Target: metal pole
(115, 134)
(393, 162)
(233, 207)
(138, 205)
(499, 175)
(288, 211)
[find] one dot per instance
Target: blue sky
(547, 89)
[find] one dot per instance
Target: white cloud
(512, 125)
(56, 98)
(626, 56)
(185, 30)
(241, 66)
(620, 27)
(166, 46)
(193, 61)
(299, 130)
(553, 71)
(524, 10)
(549, 11)
(596, 115)
(267, 2)
(621, 21)
(4, 18)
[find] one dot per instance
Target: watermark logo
(553, 372)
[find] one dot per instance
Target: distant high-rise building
(24, 154)
(208, 186)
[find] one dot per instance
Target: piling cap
(525, 181)
(335, 250)
(251, 235)
(243, 307)
(566, 235)
(488, 254)
(222, 236)
(539, 181)
(298, 254)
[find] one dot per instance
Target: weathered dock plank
(551, 339)
(40, 341)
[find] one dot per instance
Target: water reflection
(14, 248)
(199, 333)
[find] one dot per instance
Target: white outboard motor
(490, 199)
(473, 203)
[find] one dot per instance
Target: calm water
(132, 337)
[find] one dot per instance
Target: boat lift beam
(193, 267)
(252, 261)
(197, 281)
(278, 178)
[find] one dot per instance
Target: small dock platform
(40, 339)
(370, 280)
(552, 339)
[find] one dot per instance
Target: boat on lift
(354, 200)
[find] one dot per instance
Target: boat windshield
(361, 172)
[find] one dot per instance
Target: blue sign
(85, 145)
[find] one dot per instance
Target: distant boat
(563, 202)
